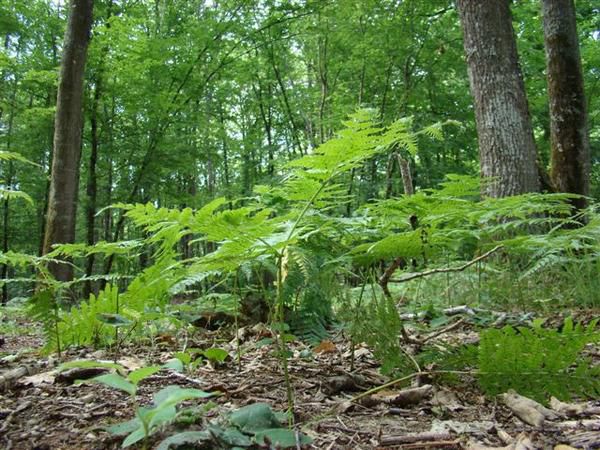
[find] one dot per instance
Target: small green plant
(253, 426)
(379, 326)
(43, 306)
(188, 360)
(148, 419)
(184, 361)
(539, 362)
(215, 355)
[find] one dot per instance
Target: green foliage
(259, 420)
(149, 420)
(215, 355)
(82, 325)
(377, 323)
(539, 362)
(43, 306)
(254, 426)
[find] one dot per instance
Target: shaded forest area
(271, 224)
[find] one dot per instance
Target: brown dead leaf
(446, 399)
(410, 396)
(38, 379)
(132, 362)
(325, 347)
(344, 407)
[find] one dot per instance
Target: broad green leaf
(172, 395)
(174, 364)
(187, 437)
(264, 342)
(134, 437)
(184, 357)
(144, 372)
(281, 438)
(254, 418)
(232, 437)
(215, 354)
(124, 428)
(160, 415)
(116, 381)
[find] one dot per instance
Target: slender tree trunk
(48, 171)
(108, 218)
(386, 88)
(8, 180)
(506, 145)
(267, 118)
(62, 202)
(224, 147)
(570, 145)
(407, 182)
(92, 184)
(286, 102)
(323, 77)
(389, 181)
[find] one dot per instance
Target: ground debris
(66, 416)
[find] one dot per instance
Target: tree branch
(414, 276)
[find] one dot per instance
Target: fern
(81, 327)
(539, 362)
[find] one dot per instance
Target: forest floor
(41, 411)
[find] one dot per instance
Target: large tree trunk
(506, 145)
(570, 155)
(64, 182)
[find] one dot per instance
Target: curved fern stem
(308, 204)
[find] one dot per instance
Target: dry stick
(9, 377)
(446, 269)
(421, 445)
(10, 417)
(412, 438)
(387, 274)
(450, 327)
(372, 391)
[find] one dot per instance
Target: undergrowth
(294, 254)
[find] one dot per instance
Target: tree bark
(506, 144)
(92, 185)
(570, 146)
(64, 182)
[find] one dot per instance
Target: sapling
(148, 419)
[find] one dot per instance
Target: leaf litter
(45, 409)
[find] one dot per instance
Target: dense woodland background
(354, 173)
(186, 101)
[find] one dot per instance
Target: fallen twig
(10, 417)
(450, 327)
(411, 438)
(414, 276)
(529, 411)
(10, 376)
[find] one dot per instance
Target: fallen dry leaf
(325, 347)
(38, 379)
